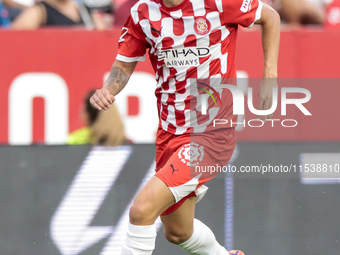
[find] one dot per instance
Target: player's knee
(140, 214)
(177, 237)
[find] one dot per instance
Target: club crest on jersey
(191, 154)
(202, 26)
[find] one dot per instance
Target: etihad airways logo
(183, 57)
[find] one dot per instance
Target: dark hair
(93, 113)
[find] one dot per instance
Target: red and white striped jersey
(192, 41)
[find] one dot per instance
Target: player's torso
(187, 42)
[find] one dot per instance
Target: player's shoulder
(143, 9)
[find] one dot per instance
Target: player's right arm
(132, 46)
(118, 78)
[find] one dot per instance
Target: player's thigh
(151, 201)
(178, 225)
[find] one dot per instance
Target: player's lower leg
(190, 234)
(202, 241)
(150, 202)
(140, 240)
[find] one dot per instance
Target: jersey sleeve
(132, 44)
(242, 12)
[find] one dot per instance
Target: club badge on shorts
(202, 26)
(191, 154)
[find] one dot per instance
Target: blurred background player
(102, 127)
(305, 12)
(4, 16)
(15, 7)
(107, 14)
(209, 28)
(102, 10)
(58, 13)
(122, 12)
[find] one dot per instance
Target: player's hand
(102, 99)
(266, 96)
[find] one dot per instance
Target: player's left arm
(270, 23)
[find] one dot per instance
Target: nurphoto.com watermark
(262, 169)
(320, 170)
